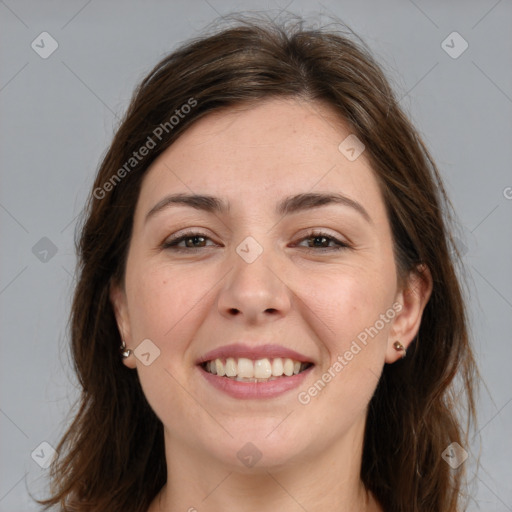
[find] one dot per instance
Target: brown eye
(191, 240)
(194, 240)
(319, 240)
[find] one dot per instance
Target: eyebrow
(289, 205)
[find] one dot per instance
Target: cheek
(166, 306)
(354, 309)
(347, 302)
(163, 300)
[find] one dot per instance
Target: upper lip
(237, 350)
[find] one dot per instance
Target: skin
(314, 302)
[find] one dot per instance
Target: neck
(328, 481)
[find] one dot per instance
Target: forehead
(261, 152)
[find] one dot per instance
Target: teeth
(262, 369)
(220, 368)
(231, 367)
(277, 367)
(245, 368)
(288, 367)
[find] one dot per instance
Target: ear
(413, 297)
(120, 306)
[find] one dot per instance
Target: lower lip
(269, 389)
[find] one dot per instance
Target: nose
(255, 292)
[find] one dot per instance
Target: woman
(267, 315)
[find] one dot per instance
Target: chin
(257, 445)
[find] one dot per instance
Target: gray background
(57, 117)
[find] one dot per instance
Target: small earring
(399, 348)
(124, 351)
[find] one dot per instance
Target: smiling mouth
(243, 369)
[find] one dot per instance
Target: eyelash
(173, 243)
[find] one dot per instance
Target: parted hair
(111, 456)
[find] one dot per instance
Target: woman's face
(279, 274)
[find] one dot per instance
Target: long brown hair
(112, 455)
